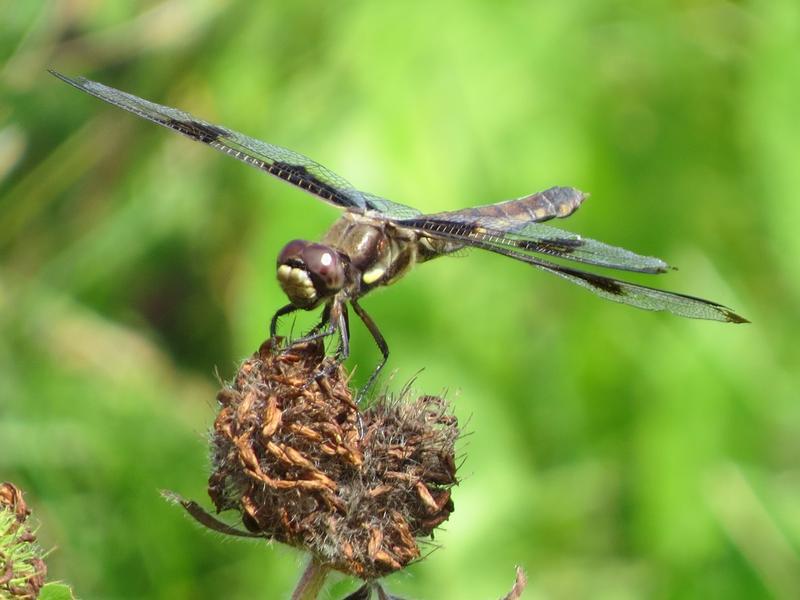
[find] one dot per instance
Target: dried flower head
(292, 452)
(22, 570)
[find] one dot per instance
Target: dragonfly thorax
(309, 273)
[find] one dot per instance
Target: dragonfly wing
(551, 203)
(280, 162)
(641, 296)
(517, 224)
(545, 239)
(389, 208)
(624, 292)
(514, 230)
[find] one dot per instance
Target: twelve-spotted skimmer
(377, 241)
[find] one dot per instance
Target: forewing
(516, 224)
(545, 239)
(282, 163)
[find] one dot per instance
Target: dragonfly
(377, 241)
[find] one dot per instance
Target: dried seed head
(22, 570)
(299, 461)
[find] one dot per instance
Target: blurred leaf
(56, 591)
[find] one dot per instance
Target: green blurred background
(613, 453)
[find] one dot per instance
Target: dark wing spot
(551, 246)
(605, 284)
(732, 317)
(198, 131)
(300, 176)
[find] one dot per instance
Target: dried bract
(294, 455)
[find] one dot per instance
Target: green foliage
(56, 591)
(615, 453)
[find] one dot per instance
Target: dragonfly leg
(338, 320)
(379, 340)
(340, 314)
(327, 325)
(284, 310)
(324, 320)
(343, 352)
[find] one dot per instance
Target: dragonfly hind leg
(379, 340)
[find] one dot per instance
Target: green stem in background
(311, 581)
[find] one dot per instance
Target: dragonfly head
(308, 273)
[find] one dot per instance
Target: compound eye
(292, 253)
(324, 263)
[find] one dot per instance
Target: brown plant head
(294, 455)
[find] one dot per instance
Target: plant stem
(311, 581)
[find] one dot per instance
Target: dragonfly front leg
(284, 310)
(289, 309)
